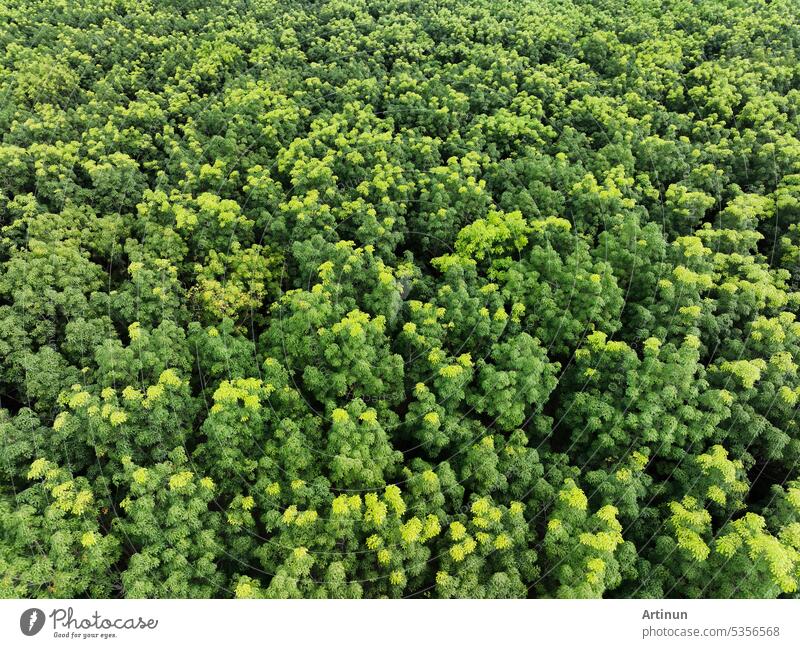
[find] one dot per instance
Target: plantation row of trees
(352, 298)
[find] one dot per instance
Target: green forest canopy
(467, 298)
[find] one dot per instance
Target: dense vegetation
(467, 298)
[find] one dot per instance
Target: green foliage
(392, 299)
